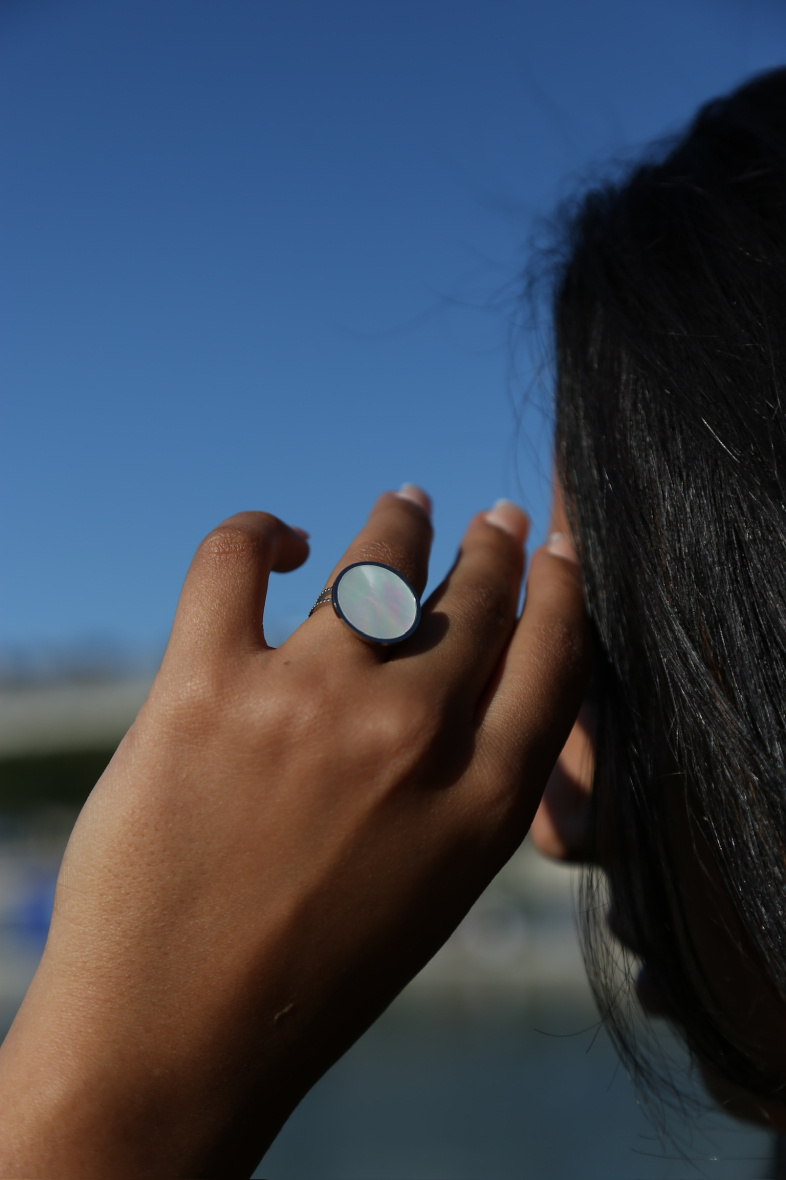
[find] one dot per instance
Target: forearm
(127, 1077)
(89, 1092)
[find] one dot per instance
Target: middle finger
(469, 619)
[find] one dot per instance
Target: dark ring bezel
(362, 634)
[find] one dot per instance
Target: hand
(283, 838)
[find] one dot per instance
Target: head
(670, 340)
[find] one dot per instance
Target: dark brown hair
(670, 341)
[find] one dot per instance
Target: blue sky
(267, 254)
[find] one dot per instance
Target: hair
(670, 343)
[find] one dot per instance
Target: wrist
(84, 1093)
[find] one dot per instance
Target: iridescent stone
(376, 601)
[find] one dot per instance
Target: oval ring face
(376, 602)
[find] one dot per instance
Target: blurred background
(268, 254)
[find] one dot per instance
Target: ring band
(375, 601)
(323, 598)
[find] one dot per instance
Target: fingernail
(300, 532)
(510, 518)
(560, 545)
(411, 491)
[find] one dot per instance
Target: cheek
(560, 828)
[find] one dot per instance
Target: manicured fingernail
(300, 532)
(411, 491)
(560, 545)
(510, 518)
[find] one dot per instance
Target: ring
(374, 600)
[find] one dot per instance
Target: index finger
(536, 697)
(224, 591)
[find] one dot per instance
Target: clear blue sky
(264, 254)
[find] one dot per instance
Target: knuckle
(398, 733)
(235, 541)
(555, 641)
(194, 701)
(299, 710)
(489, 603)
(382, 551)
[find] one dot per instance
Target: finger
(398, 534)
(535, 698)
(559, 518)
(224, 592)
(477, 603)
(561, 828)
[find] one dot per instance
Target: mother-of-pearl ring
(375, 601)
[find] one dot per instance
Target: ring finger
(398, 534)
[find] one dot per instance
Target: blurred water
(451, 1094)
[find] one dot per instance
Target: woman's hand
(283, 838)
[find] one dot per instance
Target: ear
(560, 828)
